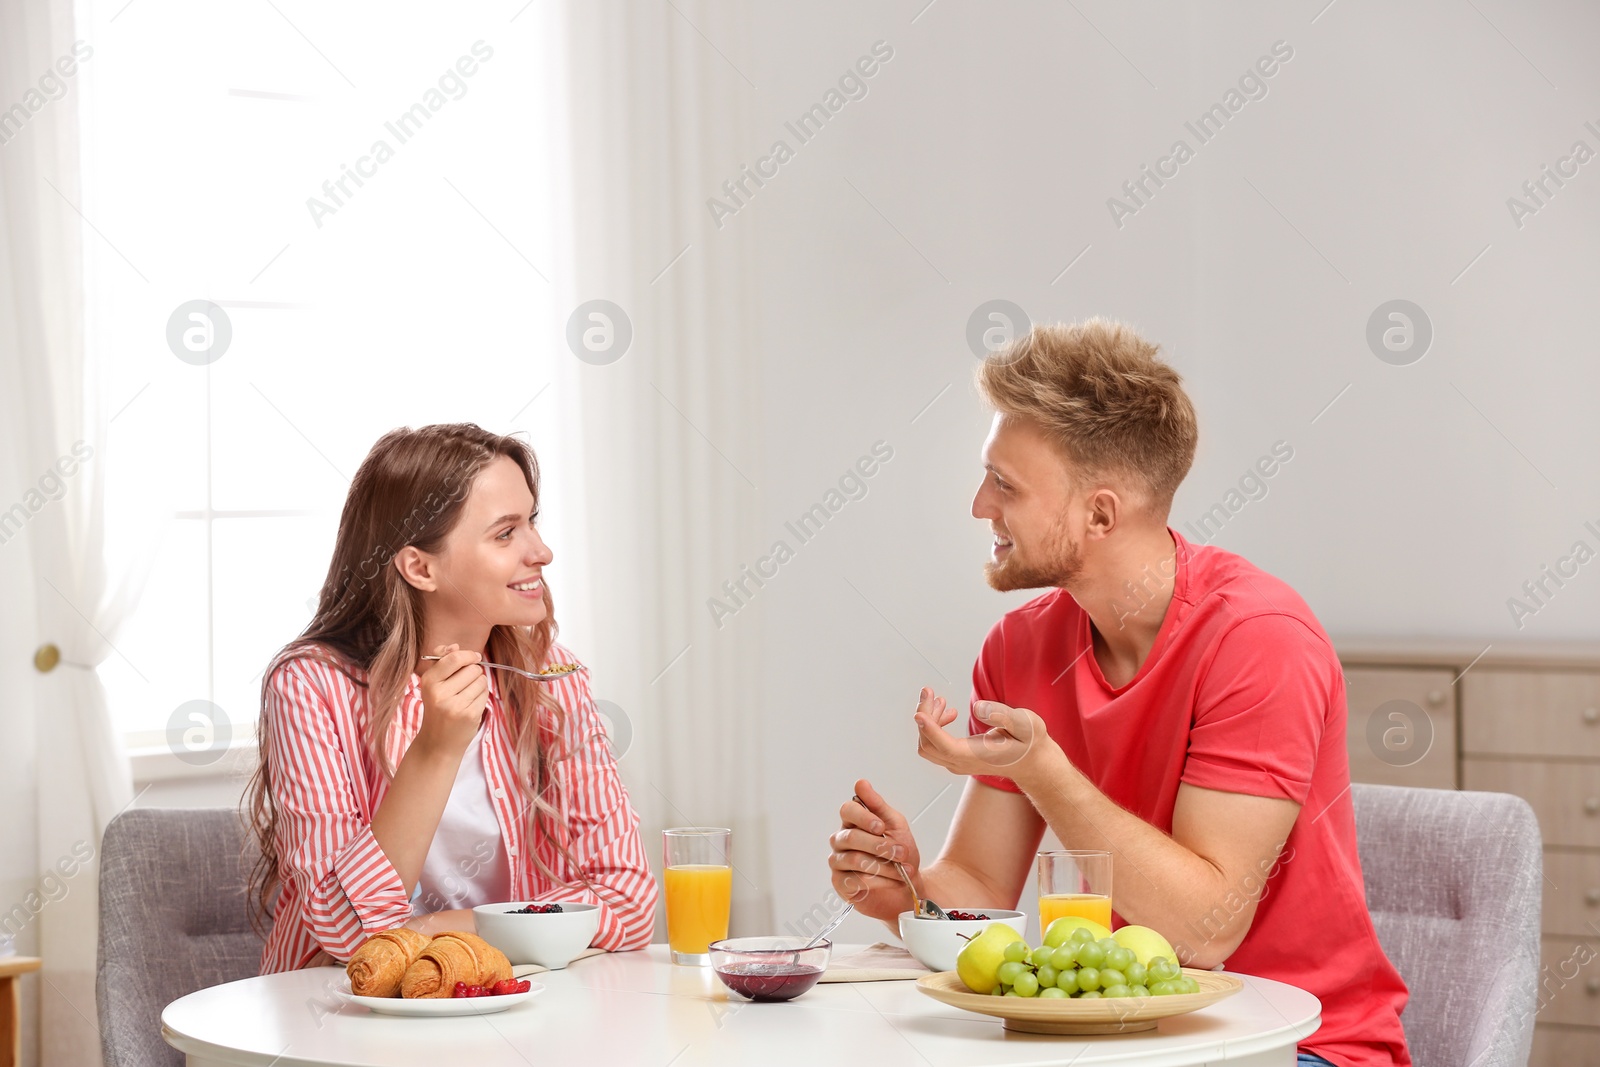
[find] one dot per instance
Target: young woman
(397, 790)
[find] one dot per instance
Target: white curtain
(55, 428)
(664, 456)
(666, 442)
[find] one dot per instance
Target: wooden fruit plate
(1120, 1015)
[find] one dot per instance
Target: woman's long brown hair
(410, 490)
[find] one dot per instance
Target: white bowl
(934, 942)
(550, 940)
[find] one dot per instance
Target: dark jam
(769, 981)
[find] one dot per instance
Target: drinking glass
(1074, 882)
(698, 884)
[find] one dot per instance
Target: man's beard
(1061, 564)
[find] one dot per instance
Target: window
(370, 200)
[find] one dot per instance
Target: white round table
(638, 1008)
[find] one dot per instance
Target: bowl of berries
(547, 933)
(770, 968)
(936, 942)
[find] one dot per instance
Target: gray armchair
(1454, 881)
(173, 919)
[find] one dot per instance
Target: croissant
(379, 964)
(450, 958)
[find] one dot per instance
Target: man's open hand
(1016, 746)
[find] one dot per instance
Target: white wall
(1387, 147)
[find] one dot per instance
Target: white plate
(442, 1005)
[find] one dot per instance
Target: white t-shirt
(466, 864)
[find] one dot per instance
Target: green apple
(1144, 943)
(978, 962)
(1061, 930)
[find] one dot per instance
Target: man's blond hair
(1102, 397)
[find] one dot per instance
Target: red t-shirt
(1242, 693)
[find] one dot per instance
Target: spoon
(922, 909)
(555, 673)
(833, 924)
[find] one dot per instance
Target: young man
(1164, 701)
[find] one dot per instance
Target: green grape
(1136, 973)
(998, 991)
(1027, 984)
(1067, 980)
(1112, 976)
(1119, 958)
(1016, 952)
(1064, 957)
(1051, 993)
(1119, 990)
(1012, 993)
(1082, 936)
(1138, 990)
(1088, 978)
(1091, 955)
(1009, 971)
(1187, 985)
(1047, 976)
(1108, 943)
(1163, 988)
(1093, 994)
(1163, 970)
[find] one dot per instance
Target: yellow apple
(1144, 943)
(1062, 928)
(978, 962)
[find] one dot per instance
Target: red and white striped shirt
(338, 886)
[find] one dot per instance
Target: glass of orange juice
(1074, 882)
(699, 884)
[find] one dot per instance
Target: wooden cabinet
(1402, 726)
(1554, 714)
(1572, 893)
(1569, 981)
(1565, 796)
(1511, 719)
(1564, 1046)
